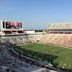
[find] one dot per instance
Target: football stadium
(47, 50)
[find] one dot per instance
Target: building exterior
(11, 28)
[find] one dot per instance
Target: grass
(64, 55)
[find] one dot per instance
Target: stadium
(46, 50)
(60, 34)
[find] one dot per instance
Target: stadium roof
(60, 26)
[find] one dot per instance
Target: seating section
(59, 39)
(22, 39)
(16, 39)
(60, 26)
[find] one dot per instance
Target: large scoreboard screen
(12, 25)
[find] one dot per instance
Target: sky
(36, 14)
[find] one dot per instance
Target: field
(57, 55)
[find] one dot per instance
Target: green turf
(64, 55)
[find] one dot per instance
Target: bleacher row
(22, 39)
(58, 39)
(15, 39)
(10, 62)
(60, 26)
